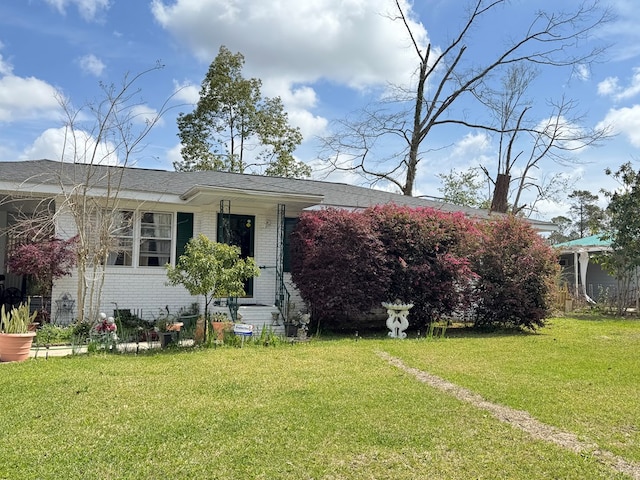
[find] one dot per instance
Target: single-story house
(586, 278)
(166, 209)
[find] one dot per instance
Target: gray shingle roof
(49, 172)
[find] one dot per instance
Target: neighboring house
(167, 208)
(585, 278)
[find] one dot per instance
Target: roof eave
(203, 190)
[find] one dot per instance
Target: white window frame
(157, 237)
(137, 239)
(119, 239)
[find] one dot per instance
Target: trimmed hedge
(345, 263)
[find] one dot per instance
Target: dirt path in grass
(521, 419)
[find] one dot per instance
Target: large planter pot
(219, 328)
(290, 330)
(166, 338)
(15, 347)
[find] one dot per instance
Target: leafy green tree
(463, 188)
(563, 234)
(233, 128)
(588, 218)
(623, 262)
(211, 269)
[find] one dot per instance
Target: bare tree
(523, 143)
(91, 192)
(443, 78)
(100, 139)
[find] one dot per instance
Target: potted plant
(164, 333)
(221, 323)
(167, 329)
(16, 334)
(213, 270)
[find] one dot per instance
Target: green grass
(579, 375)
(326, 409)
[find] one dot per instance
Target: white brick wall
(144, 289)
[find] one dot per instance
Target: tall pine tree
(234, 129)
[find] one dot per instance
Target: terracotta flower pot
(15, 347)
(219, 328)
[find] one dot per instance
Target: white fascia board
(47, 189)
(582, 248)
(202, 190)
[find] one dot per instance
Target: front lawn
(326, 409)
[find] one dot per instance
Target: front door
(238, 230)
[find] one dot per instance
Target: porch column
(575, 273)
(3, 241)
(584, 264)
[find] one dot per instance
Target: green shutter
(184, 232)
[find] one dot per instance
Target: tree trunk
(499, 202)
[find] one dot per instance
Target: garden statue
(303, 327)
(397, 322)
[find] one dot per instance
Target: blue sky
(324, 58)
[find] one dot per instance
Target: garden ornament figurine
(397, 322)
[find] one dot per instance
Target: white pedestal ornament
(397, 322)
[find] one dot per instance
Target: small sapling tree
(213, 270)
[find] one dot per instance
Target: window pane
(155, 239)
(122, 248)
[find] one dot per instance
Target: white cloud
(56, 143)
(471, 145)
(143, 114)
(298, 103)
(186, 92)
(310, 125)
(624, 121)
(91, 64)
(27, 98)
(610, 87)
(581, 72)
(351, 42)
(88, 9)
